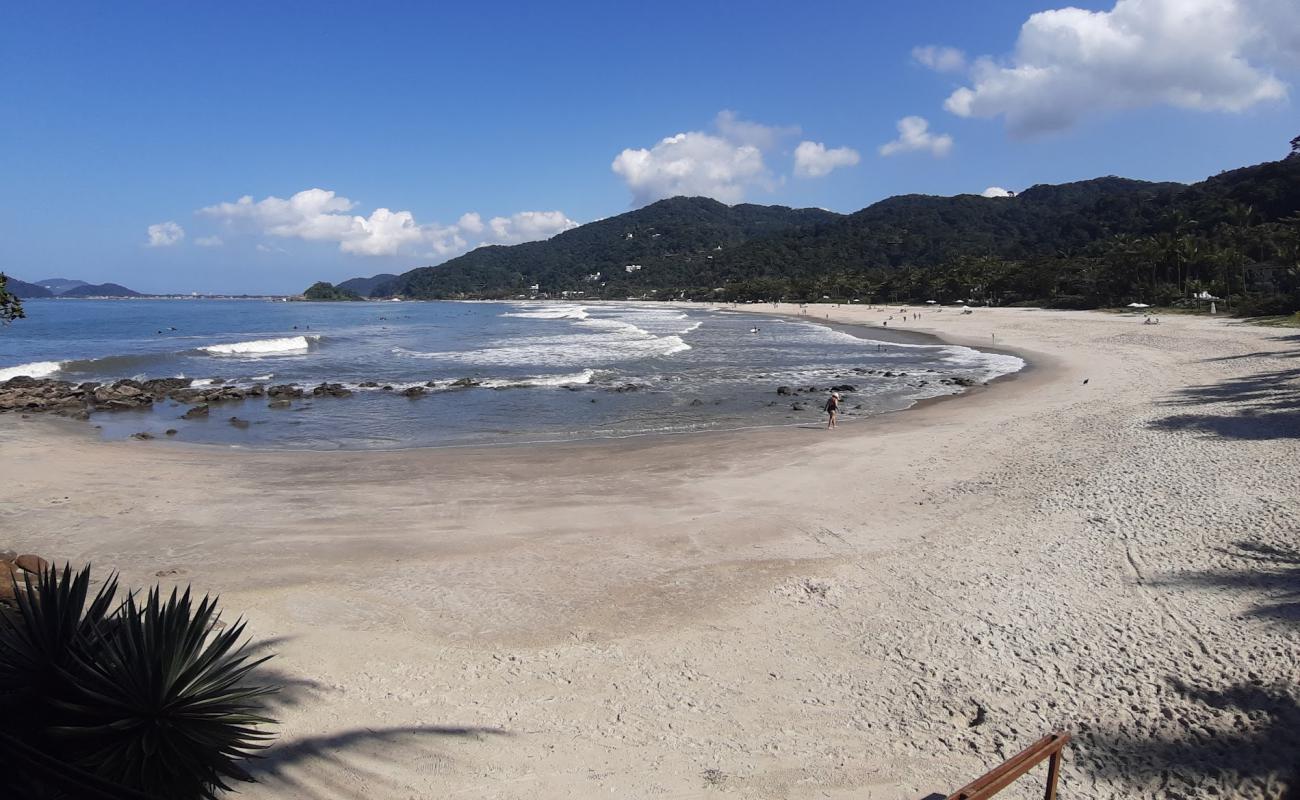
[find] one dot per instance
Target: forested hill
(666, 237)
(1097, 242)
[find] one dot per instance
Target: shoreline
(857, 329)
(885, 610)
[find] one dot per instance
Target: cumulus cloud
(940, 58)
(165, 234)
(996, 191)
(208, 241)
(528, 226)
(692, 163)
(724, 164)
(913, 135)
(813, 160)
(1193, 54)
(322, 215)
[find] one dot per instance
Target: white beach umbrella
(1138, 305)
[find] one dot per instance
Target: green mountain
(364, 286)
(675, 237)
(61, 285)
(1097, 242)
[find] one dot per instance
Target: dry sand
(883, 611)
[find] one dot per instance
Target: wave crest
(264, 347)
(36, 369)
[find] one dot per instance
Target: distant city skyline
(257, 148)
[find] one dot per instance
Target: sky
(258, 147)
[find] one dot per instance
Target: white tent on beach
(1138, 305)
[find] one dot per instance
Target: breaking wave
(264, 347)
(36, 369)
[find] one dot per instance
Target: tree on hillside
(1295, 147)
(10, 306)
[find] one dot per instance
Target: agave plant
(52, 625)
(151, 697)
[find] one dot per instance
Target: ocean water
(547, 371)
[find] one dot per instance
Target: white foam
(36, 369)
(550, 312)
(268, 376)
(584, 376)
(199, 383)
(674, 345)
(694, 326)
(263, 347)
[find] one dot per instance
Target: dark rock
(236, 422)
(413, 392)
(844, 387)
(387, 388)
(464, 383)
(280, 403)
(798, 406)
(627, 387)
(163, 386)
(963, 381)
(284, 390)
(256, 390)
(784, 390)
(142, 435)
(201, 410)
(697, 402)
(331, 390)
(368, 385)
(170, 431)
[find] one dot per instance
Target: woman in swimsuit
(832, 406)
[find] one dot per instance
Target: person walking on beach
(832, 407)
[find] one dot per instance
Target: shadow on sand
(1253, 748)
(1261, 406)
(1254, 752)
(353, 763)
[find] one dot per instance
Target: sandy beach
(1107, 544)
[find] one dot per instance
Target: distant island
(1102, 242)
(63, 287)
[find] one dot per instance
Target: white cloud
(322, 215)
(165, 234)
(1194, 54)
(470, 222)
(208, 241)
(528, 226)
(691, 164)
(765, 137)
(724, 164)
(940, 58)
(813, 160)
(914, 134)
(996, 191)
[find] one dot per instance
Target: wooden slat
(1006, 773)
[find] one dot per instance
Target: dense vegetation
(328, 291)
(134, 697)
(11, 308)
(1102, 242)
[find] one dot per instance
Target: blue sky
(504, 122)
